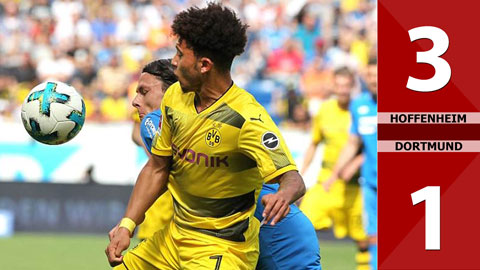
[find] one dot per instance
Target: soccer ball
(53, 112)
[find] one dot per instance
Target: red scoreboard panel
(429, 134)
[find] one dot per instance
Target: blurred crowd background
(99, 47)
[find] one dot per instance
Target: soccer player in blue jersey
(289, 245)
(154, 80)
(364, 131)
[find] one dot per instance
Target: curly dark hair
(163, 70)
(214, 32)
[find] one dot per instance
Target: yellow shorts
(174, 247)
(341, 208)
(157, 216)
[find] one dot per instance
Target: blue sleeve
(353, 113)
(148, 128)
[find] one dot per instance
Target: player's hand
(276, 208)
(303, 171)
(328, 184)
(112, 232)
(119, 242)
(348, 172)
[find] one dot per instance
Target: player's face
(371, 78)
(343, 88)
(186, 68)
(149, 94)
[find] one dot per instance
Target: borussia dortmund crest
(213, 137)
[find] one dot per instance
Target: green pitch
(80, 252)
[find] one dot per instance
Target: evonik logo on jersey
(189, 155)
(270, 140)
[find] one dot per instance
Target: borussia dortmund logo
(213, 137)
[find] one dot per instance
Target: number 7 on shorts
(219, 261)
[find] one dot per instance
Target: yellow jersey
(220, 159)
(331, 126)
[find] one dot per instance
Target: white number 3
(443, 71)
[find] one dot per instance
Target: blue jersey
(291, 244)
(364, 125)
(148, 128)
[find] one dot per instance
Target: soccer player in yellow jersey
(363, 134)
(214, 149)
(341, 204)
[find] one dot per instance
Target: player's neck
(343, 104)
(212, 89)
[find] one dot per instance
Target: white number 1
(443, 72)
(431, 196)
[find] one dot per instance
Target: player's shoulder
(153, 115)
(246, 105)
(149, 124)
(326, 109)
(174, 96)
(362, 98)
(329, 105)
(172, 91)
(361, 104)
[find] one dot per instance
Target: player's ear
(205, 64)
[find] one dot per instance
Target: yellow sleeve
(262, 142)
(162, 142)
(317, 127)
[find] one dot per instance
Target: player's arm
(136, 134)
(157, 168)
(151, 183)
(348, 153)
(309, 154)
(277, 205)
(352, 168)
(262, 142)
(316, 139)
(137, 137)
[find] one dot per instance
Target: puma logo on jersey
(189, 155)
(258, 119)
